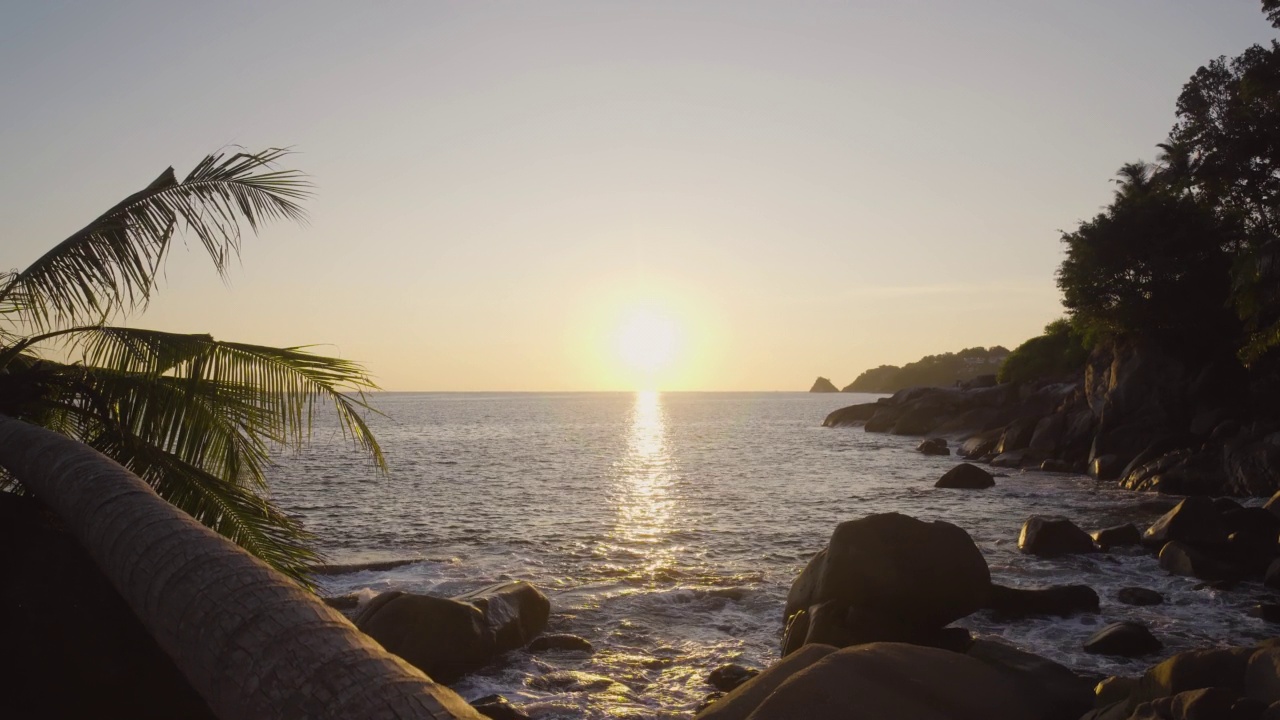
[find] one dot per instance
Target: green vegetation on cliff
(1060, 351)
(940, 370)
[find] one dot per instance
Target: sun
(647, 341)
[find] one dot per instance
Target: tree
(1154, 262)
(194, 417)
(1059, 352)
(1272, 9)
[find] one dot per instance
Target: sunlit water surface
(667, 529)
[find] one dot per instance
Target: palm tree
(194, 417)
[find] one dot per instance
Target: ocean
(667, 528)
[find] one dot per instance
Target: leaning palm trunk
(250, 641)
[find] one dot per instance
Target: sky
(558, 196)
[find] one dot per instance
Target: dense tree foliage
(1187, 251)
(1059, 352)
(937, 370)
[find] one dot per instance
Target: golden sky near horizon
(589, 196)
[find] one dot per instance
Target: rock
(1112, 690)
(796, 631)
(515, 611)
(342, 602)
(838, 624)
(728, 677)
(1139, 596)
(891, 680)
(443, 638)
(1123, 639)
(1272, 577)
(852, 415)
(980, 445)
(1051, 684)
(1252, 533)
(1047, 437)
(1118, 536)
(744, 699)
(919, 420)
(1047, 536)
(1055, 466)
(1195, 669)
(823, 385)
(1273, 504)
(571, 643)
(1105, 467)
(1262, 676)
(933, 446)
(1203, 704)
(1182, 559)
(708, 701)
(497, 707)
(1017, 435)
(1226, 505)
(925, 574)
(1059, 601)
(1192, 521)
(966, 476)
(1266, 611)
(573, 681)
(1012, 459)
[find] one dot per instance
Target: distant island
(823, 385)
(937, 370)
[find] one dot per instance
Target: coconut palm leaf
(110, 265)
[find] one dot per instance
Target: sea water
(667, 528)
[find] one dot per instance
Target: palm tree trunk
(251, 642)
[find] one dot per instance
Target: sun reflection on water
(644, 492)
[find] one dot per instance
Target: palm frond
(110, 265)
(268, 392)
(237, 513)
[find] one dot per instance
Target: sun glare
(647, 342)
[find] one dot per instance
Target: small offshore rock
(566, 642)
(1139, 596)
(823, 385)
(1050, 536)
(966, 476)
(934, 446)
(1118, 536)
(728, 677)
(1123, 639)
(497, 707)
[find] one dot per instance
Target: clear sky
(603, 195)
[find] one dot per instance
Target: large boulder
(1049, 536)
(1123, 639)
(852, 415)
(745, 698)
(515, 611)
(980, 445)
(892, 680)
(1060, 601)
(1193, 521)
(934, 446)
(444, 638)
(966, 476)
(1182, 559)
(1117, 536)
(1063, 694)
(922, 573)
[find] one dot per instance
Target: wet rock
(1012, 459)
(1055, 466)
(1192, 521)
(515, 611)
(1123, 639)
(728, 677)
(1048, 536)
(1273, 504)
(980, 445)
(1139, 596)
(1118, 536)
(708, 701)
(1105, 467)
(1226, 505)
(443, 638)
(1203, 704)
(891, 680)
(571, 643)
(744, 699)
(342, 602)
(852, 415)
(1272, 577)
(571, 681)
(838, 624)
(1182, 559)
(1252, 533)
(497, 707)
(925, 574)
(1266, 611)
(1059, 601)
(966, 476)
(933, 446)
